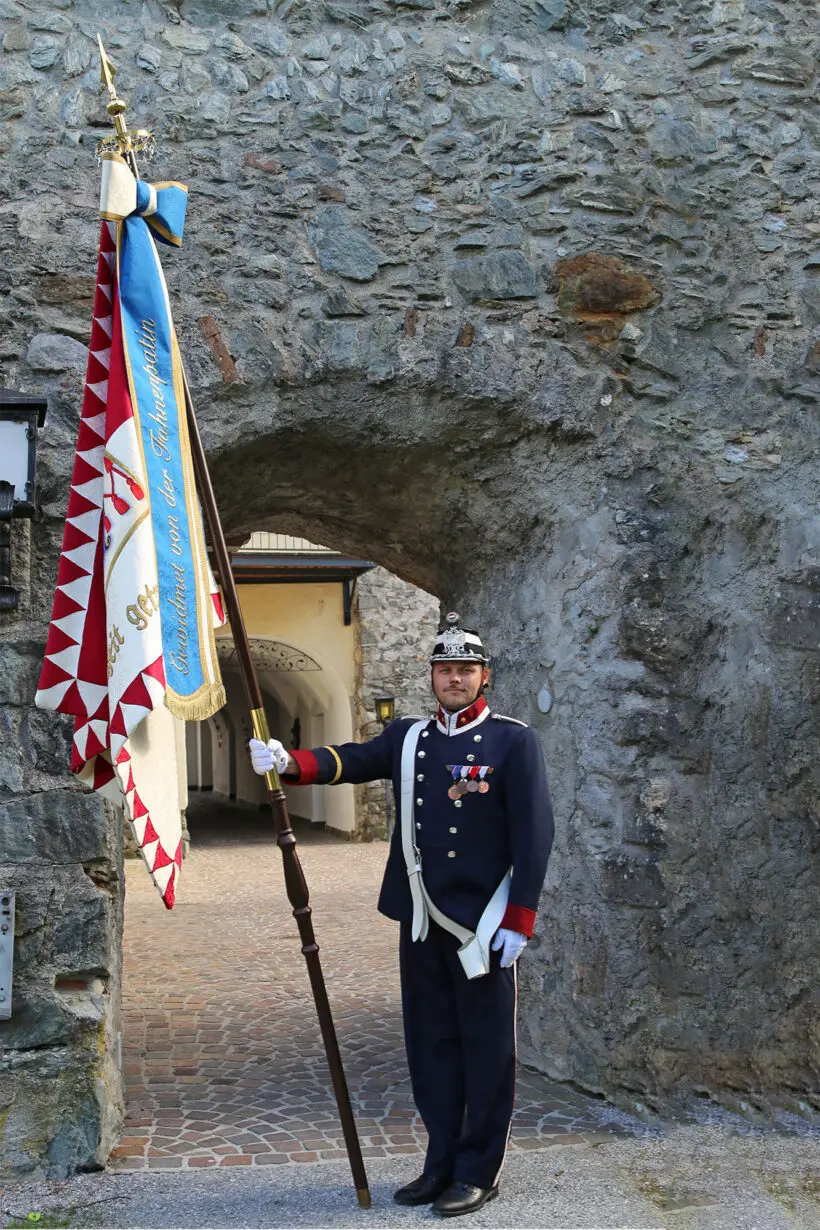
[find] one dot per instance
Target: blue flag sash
(193, 684)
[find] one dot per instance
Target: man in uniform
(466, 866)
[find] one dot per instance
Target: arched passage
(516, 500)
(425, 480)
(304, 692)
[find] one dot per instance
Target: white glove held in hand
(265, 755)
(512, 942)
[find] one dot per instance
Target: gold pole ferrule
(260, 725)
(261, 732)
(364, 1197)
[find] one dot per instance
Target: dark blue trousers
(460, 1037)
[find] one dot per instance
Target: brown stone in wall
(759, 344)
(411, 320)
(594, 286)
(76, 290)
(252, 159)
(219, 350)
(330, 192)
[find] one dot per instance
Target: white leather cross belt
(474, 953)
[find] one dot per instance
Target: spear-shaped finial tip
(115, 107)
(107, 69)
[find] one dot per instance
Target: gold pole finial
(116, 107)
(125, 143)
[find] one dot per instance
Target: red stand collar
(456, 723)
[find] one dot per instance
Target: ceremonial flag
(131, 644)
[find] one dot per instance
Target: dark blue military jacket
(467, 843)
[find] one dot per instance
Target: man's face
(457, 684)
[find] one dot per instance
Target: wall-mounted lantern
(385, 711)
(20, 416)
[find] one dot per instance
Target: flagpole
(295, 883)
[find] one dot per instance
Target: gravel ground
(694, 1178)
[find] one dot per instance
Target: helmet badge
(453, 642)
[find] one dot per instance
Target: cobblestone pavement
(223, 1059)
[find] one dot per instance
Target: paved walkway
(223, 1059)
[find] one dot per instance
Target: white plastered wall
(199, 755)
(309, 619)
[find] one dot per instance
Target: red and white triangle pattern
(164, 868)
(75, 674)
(65, 684)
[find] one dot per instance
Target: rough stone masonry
(521, 300)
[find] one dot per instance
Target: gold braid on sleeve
(338, 760)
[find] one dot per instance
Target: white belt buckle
(472, 958)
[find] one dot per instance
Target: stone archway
(586, 583)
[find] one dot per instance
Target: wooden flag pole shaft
(295, 882)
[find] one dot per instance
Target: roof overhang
(288, 568)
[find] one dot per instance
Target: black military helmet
(456, 644)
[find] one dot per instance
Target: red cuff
(518, 918)
(308, 767)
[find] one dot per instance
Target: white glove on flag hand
(513, 944)
(265, 755)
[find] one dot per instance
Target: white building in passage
(328, 634)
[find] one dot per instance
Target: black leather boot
(463, 1198)
(423, 1190)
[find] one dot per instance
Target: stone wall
(60, 1085)
(521, 300)
(397, 628)
(61, 853)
